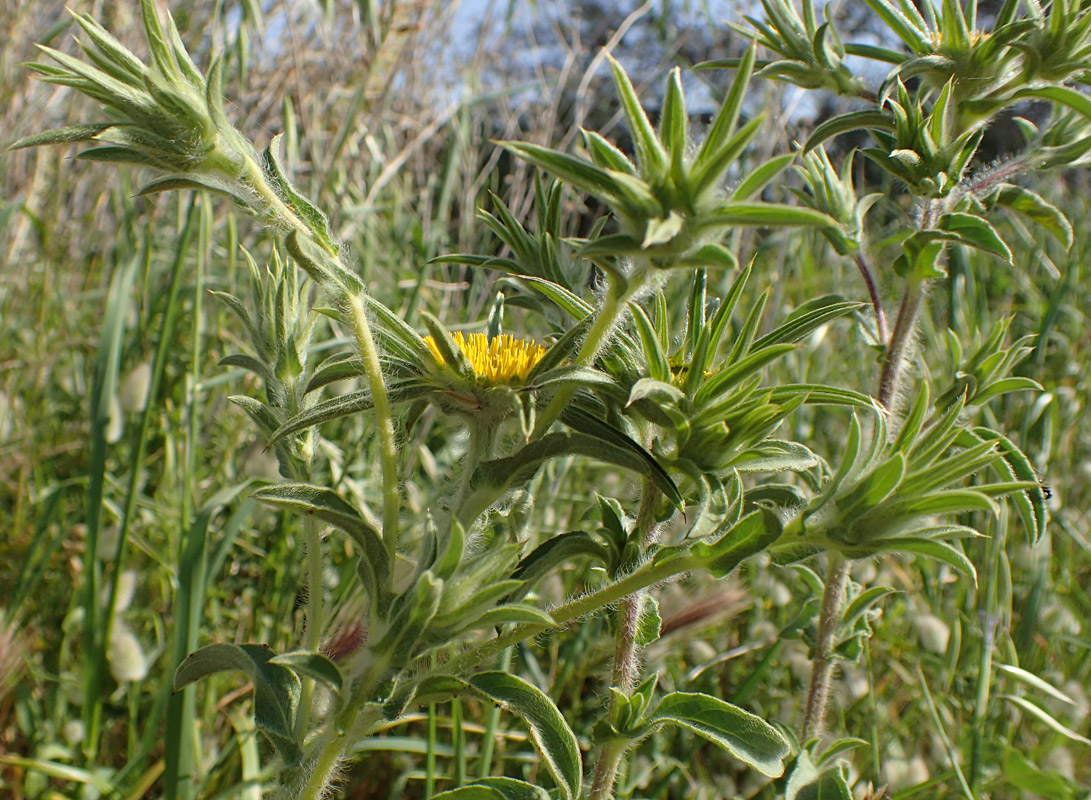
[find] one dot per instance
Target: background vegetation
(389, 127)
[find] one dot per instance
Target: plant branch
(900, 341)
(818, 693)
(609, 314)
(873, 293)
(388, 449)
(626, 669)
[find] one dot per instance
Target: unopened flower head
(500, 359)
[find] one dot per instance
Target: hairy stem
(900, 341)
(873, 293)
(626, 669)
(609, 314)
(818, 693)
(388, 449)
(837, 576)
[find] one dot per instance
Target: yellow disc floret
(497, 360)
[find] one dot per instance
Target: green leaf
(495, 789)
(723, 127)
(1024, 774)
(808, 317)
(276, 688)
(605, 154)
(556, 551)
(863, 603)
(650, 155)
(1034, 206)
(767, 215)
(595, 439)
(1032, 680)
(549, 730)
(808, 783)
(674, 128)
(580, 174)
(313, 216)
(914, 420)
(623, 449)
(311, 664)
(949, 501)
(470, 792)
(775, 455)
(749, 536)
(745, 736)
(1077, 101)
(207, 183)
(1043, 716)
(649, 622)
(326, 505)
(409, 618)
(759, 177)
(122, 155)
(853, 121)
(975, 231)
(948, 554)
(658, 365)
(347, 405)
(571, 303)
(259, 412)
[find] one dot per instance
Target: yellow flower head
(499, 360)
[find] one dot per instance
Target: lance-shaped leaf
(326, 505)
(807, 782)
(607, 445)
(310, 664)
(311, 214)
(276, 688)
(749, 536)
(745, 736)
(549, 731)
(555, 551)
(495, 789)
(202, 182)
(1035, 207)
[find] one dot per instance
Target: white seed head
(73, 732)
(933, 632)
(126, 656)
(115, 427)
(133, 392)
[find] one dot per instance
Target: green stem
(837, 576)
(985, 657)
(312, 633)
(900, 341)
(613, 306)
(613, 751)
(818, 694)
(642, 577)
(388, 449)
(626, 669)
(477, 449)
(365, 343)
